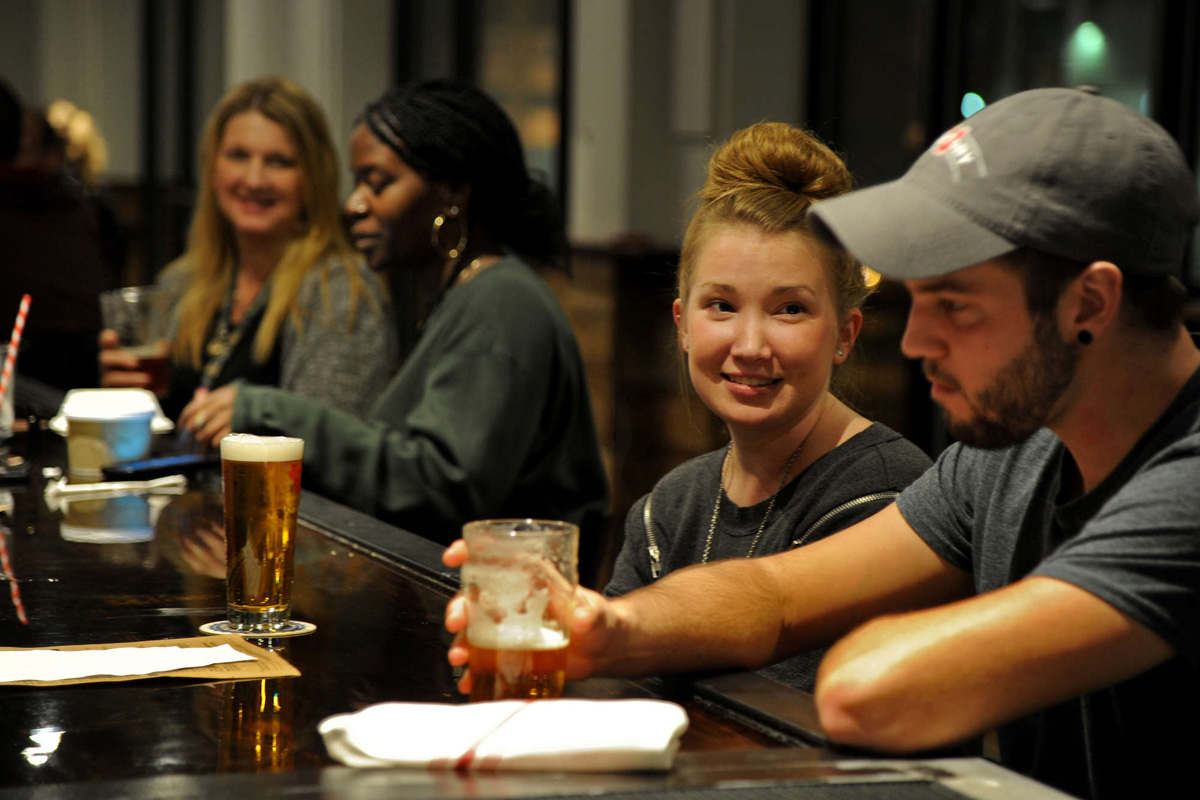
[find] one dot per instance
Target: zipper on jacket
(652, 544)
(846, 506)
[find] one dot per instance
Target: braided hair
(452, 132)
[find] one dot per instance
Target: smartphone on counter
(146, 468)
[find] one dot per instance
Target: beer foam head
(515, 635)
(248, 447)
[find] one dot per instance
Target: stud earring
(1085, 336)
(840, 353)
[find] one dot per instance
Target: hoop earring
(435, 235)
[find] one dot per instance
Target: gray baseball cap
(1056, 170)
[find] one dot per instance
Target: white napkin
(552, 735)
(61, 665)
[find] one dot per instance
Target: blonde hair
(211, 254)
(768, 176)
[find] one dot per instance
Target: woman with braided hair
(765, 314)
(489, 416)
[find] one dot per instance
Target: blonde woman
(765, 314)
(271, 293)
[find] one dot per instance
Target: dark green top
(488, 417)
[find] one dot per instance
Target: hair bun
(767, 176)
(775, 158)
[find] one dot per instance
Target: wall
(80, 50)
(337, 50)
(656, 84)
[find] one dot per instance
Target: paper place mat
(226, 657)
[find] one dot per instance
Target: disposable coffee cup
(105, 426)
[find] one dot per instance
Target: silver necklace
(712, 526)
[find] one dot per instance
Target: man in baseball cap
(1042, 578)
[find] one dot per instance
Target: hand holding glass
(519, 584)
(139, 315)
(262, 496)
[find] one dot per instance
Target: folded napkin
(551, 735)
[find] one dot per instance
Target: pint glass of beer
(519, 581)
(262, 493)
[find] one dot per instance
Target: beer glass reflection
(519, 582)
(261, 476)
(256, 729)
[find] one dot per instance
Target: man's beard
(1023, 394)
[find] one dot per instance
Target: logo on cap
(961, 152)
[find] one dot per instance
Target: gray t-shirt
(842, 487)
(1133, 541)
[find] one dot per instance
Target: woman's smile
(749, 385)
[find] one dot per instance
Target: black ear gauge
(1085, 336)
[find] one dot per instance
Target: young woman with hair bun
(765, 315)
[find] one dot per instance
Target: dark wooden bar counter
(152, 567)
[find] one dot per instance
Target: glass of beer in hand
(141, 317)
(519, 581)
(261, 477)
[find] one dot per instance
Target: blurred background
(619, 103)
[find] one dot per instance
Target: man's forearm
(704, 617)
(752, 612)
(937, 676)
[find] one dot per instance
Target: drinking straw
(13, 343)
(13, 588)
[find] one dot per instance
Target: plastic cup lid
(102, 405)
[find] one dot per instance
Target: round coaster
(293, 628)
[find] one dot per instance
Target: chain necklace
(456, 279)
(712, 526)
(226, 334)
(473, 269)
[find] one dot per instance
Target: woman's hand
(593, 628)
(118, 367)
(209, 416)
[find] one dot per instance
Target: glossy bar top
(152, 567)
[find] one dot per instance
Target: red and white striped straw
(14, 343)
(14, 588)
